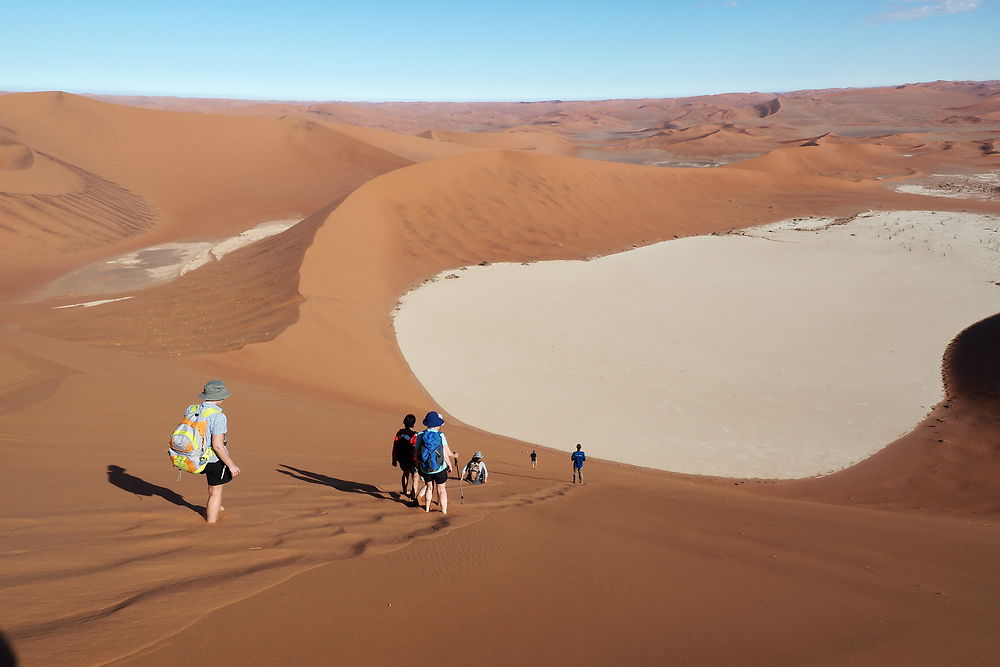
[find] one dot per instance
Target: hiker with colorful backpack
(404, 454)
(434, 461)
(475, 471)
(198, 445)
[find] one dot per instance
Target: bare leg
(403, 480)
(443, 498)
(214, 503)
(429, 491)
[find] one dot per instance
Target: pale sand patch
(784, 351)
(91, 304)
(956, 186)
(157, 264)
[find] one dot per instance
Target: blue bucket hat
(433, 419)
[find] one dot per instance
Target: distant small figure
(534, 459)
(475, 471)
(434, 459)
(578, 457)
(404, 454)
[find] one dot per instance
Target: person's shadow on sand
(140, 487)
(7, 656)
(341, 484)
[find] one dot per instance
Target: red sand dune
(514, 139)
(850, 161)
(890, 562)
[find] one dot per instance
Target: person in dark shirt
(404, 455)
(534, 458)
(578, 457)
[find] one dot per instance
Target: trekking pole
(461, 493)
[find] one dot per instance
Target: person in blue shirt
(578, 457)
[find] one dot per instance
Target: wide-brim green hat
(215, 390)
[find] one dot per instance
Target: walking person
(434, 459)
(534, 459)
(404, 454)
(578, 457)
(220, 469)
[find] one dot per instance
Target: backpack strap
(205, 414)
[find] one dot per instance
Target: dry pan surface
(783, 351)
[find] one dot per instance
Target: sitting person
(475, 471)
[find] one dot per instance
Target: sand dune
(849, 161)
(300, 326)
(513, 139)
(167, 158)
(25, 173)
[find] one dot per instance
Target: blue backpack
(431, 457)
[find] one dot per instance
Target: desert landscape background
(148, 245)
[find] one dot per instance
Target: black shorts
(436, 477)
(217, 473)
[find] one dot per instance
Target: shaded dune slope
(248, 296)
(951, 460)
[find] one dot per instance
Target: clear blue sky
(499, 50)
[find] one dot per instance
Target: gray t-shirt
(216, 423)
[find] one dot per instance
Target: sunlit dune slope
(851, 161)
(949, 461)
(407, 146)
(507, 206)
(515, 139)
(201, 171)
(49, 207)
(23, 172)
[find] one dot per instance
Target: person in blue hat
(434, 462)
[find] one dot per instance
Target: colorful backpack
(431, 457)
(188, 448)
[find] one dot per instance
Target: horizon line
(266, 100)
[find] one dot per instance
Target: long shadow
(140, 487)
(342, 484)
(7, 656)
